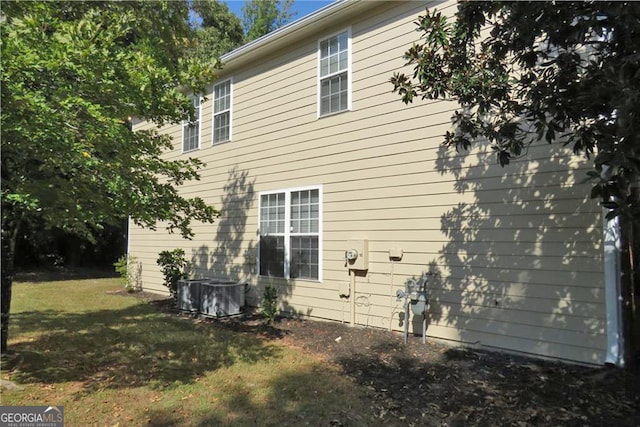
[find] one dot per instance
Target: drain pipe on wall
(612, 240)
(612, 246)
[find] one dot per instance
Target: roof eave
(282, 35)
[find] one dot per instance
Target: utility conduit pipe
(392, 297)
(352, 296)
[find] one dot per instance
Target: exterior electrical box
(357, 254)
(395, 253)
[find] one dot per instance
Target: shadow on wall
(232, 254)
(285, 291)
(521, 265)
(227, 256)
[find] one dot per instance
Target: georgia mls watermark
(31, 416)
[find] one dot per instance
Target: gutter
(275, 37)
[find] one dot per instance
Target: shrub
(270, 303)
(174, 266)
(125, 266)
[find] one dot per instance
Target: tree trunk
(9, 238)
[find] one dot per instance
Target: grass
(117, 360)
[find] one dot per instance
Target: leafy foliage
(269, 304)
(173, 265)
(73, 75)
(126, 267)
(219, 31)
(261, 17)
(564, 72)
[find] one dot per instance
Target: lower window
(290, 230)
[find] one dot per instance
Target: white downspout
(612, 291)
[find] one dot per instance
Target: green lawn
(116, 360)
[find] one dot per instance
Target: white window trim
(213, 111)
(201, 99)
(349, 73)
(287, 229)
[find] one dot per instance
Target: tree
(217, 32)
(565, 72)
(261, 17)
(73, 75)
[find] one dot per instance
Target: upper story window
(334, 74)
(290, 233)
(191, 128)
(222, 112)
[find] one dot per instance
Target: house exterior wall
(517, 249)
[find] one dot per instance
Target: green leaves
(567, 72)
(260, 17)
(174, 265)
(73, 73)
(269, 305)
(219, 32)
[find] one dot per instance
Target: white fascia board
(282, 34)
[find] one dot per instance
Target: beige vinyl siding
(517, 249)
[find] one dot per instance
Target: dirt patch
(436, 384)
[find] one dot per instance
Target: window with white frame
(222, 112)
(191, 127)
(290, 230)
(334, 78)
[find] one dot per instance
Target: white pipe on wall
(352, 296)
(392, 296)
(612, 291)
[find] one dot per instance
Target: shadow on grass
(63, 273)
(126, 348)
(304, 397)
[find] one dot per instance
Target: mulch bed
(435, 384)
